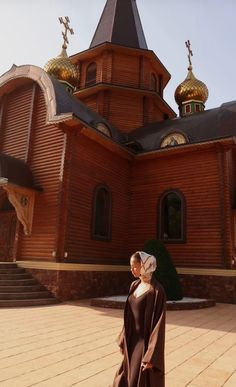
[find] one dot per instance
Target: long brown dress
(142, 338)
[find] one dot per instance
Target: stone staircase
(19, 288)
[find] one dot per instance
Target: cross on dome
(190, 53)
(66, 22)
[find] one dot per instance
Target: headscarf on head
(148, 263)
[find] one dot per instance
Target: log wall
(126, 70)
(16, 121)
(198, 176)
(131, 72)
(91, 165)
(126, 112)
(26, 136)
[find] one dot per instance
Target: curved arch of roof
(38, 75)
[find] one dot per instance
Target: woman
(143, 336)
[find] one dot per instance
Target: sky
(30, 33)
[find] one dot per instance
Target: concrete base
(75, 285)
(78, 281)
(219, 288)
(118, 302)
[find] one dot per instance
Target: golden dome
(191, 89)
(62, 68)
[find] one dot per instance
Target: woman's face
(135, 267)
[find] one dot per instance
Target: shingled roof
(120, 24)
(16, 171)
(209, 125)
(67, 103)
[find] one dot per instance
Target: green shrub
(166, 272)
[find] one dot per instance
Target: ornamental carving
(22, 200)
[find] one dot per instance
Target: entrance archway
(8, 220)
(16, 179)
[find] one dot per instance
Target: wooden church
(94, 162)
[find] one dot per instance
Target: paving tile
(212, 377)
(73, 344)
(231, 382)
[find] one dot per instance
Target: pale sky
(30, 33)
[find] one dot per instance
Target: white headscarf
(148, 263)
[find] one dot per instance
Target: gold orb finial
(61, 67)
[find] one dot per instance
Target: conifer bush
(166, 272)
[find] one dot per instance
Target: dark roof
(67, 103)
(16, 171)
(120, 24)
(209, 125)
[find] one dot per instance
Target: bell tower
(120, 77)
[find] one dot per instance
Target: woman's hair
(136, 256)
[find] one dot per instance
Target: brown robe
(154, 340)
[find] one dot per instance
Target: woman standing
(143, 336)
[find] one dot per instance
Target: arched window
(91, 74)
(153, 82)
(145, 110)
(172, 217)
(188, 108)
(101, 225)
(160, 86)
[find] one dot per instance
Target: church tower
(120, 77)
(118, 14)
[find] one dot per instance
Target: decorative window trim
(153, 82)
(95, 236)
(188, 106)
(168, 136)
(22, 199)
(160, 85)
(145, 110)
(161, 217)
(91, 79)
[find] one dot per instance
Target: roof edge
(38, 75)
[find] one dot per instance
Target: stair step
(27, 295)
(10, 265)
(15, 276)
(31, 302)
(18, 282)
(21, 289)
(12, 270)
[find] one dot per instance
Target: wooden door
(7, 235)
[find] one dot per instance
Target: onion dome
(191, 89)
(62, 68)
(191, 94)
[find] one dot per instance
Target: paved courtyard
(73, 344)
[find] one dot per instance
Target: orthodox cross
(66, 22)
(190, 53)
